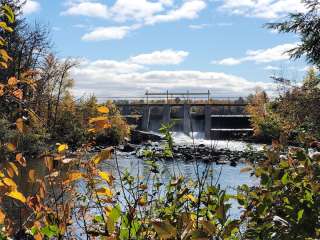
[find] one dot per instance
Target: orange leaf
(104, 191)
(19, 125)
(32, 175)
(48, 160)
(14, 168)
(18, 94)
(20, 159)
(103, 109)
(2, 217)
(74, 176)
(1, 90)
(12, 81)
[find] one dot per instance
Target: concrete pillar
(186, 119)
(146, 118)
(207, 121)
(166, 113)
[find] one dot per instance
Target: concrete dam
(217, 121)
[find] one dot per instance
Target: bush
(286, 204)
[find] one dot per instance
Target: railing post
(146, 118)
(186, 118)
(167, 113)
(207, 121)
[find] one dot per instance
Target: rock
(129, 147)
(138, 137)
(233, 164)
(315, 156)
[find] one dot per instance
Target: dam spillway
(227, 121)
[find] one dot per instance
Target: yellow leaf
(2, 217)
(103, 109)
(142, 201)
(164, 229)
(11, 147)
(3, 65)
(62, 148)
(17, 195)
(191, 198)
(106, 176)
(10, 183)
(4, 55)
(103, 155)
(20, 159)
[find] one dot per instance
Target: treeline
(42, 89)
(293, 116)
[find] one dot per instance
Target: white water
(198, 138)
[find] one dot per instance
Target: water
(228, 177)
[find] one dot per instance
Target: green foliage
(306, 25)
(286, 203)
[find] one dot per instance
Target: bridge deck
(181, 104)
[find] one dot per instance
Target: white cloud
(227, 62)
(30, 7)
(137, 12)
(165, 57)
(277, 53)
(124, 10)
(98, 78)
(103, 83)
(87, 8)
(189, 10)
(108, 33)
(266, 9)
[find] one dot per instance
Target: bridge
(219, 117)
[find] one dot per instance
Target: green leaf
(50, 231)
(9, 13)
(284, 179)
(300, 214)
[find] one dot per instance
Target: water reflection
(227, 176)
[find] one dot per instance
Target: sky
(126, 47)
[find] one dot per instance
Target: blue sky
(125, 47)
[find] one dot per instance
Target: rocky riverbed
(190, 153)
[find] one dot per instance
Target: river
(227, 176)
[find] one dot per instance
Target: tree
(28, 44)
(307, 25)
(311, 80)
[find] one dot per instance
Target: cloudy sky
(125, 47)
